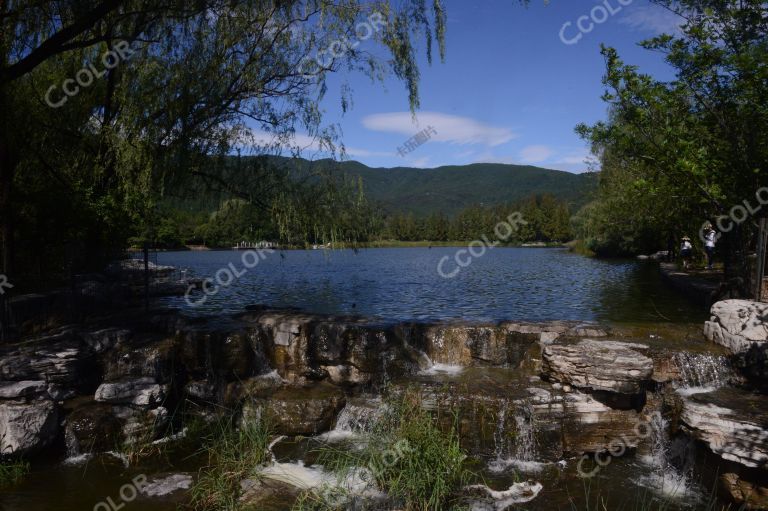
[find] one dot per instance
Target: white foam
(518, 493)
(448, 369)
(78, 460)
(337, 435)
(313, 478)
(669, 485)
(502, 465)
(298, 475)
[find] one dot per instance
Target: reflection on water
(506, 283)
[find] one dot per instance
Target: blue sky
(510, 90)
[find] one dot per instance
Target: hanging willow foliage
(207, 79)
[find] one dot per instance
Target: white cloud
(450, 128)
(579, 158)
(535, 154)
(305, 143)
(365, 153)
(652, 18)
(419, 163)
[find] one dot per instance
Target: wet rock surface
(523, 392)
(298, 410)
(91, 428)
(599, 366)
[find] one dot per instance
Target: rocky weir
(527, 397)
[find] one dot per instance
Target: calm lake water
(400, 284)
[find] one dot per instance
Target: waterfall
(359, 418)
(356, 418)
(522, 454)
(702, 371)
(525, 433)
(500, 441)
(671, 462)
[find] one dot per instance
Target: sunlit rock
(738, 324)
(27, 427)
(599, 366)
(732, 424)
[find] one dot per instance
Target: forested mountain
(451, 189)
(234, 199)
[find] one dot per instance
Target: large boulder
(60, 362)
(733, 424)
(582, 423)
(738, 324)
(599, 366)
(27, 427)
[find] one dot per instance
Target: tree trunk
(7, 169)
(736, 267)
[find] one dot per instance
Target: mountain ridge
(451, 188)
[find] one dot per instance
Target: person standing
(686, 249)
(710, 238)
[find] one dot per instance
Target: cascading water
(671, 461)
(702, 372)
(359, 418)
(521, 454)
(355, 419)
(500, 439)
(525, 433)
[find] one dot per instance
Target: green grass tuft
(12, 471)
(234, 454)
(420, 466)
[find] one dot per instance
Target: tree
(204, 78)
(695, 147)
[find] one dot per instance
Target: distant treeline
(547, 220)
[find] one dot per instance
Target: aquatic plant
(235, 453)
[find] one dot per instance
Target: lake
(405, 284)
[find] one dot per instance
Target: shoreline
(698, 289)
(346, 246)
